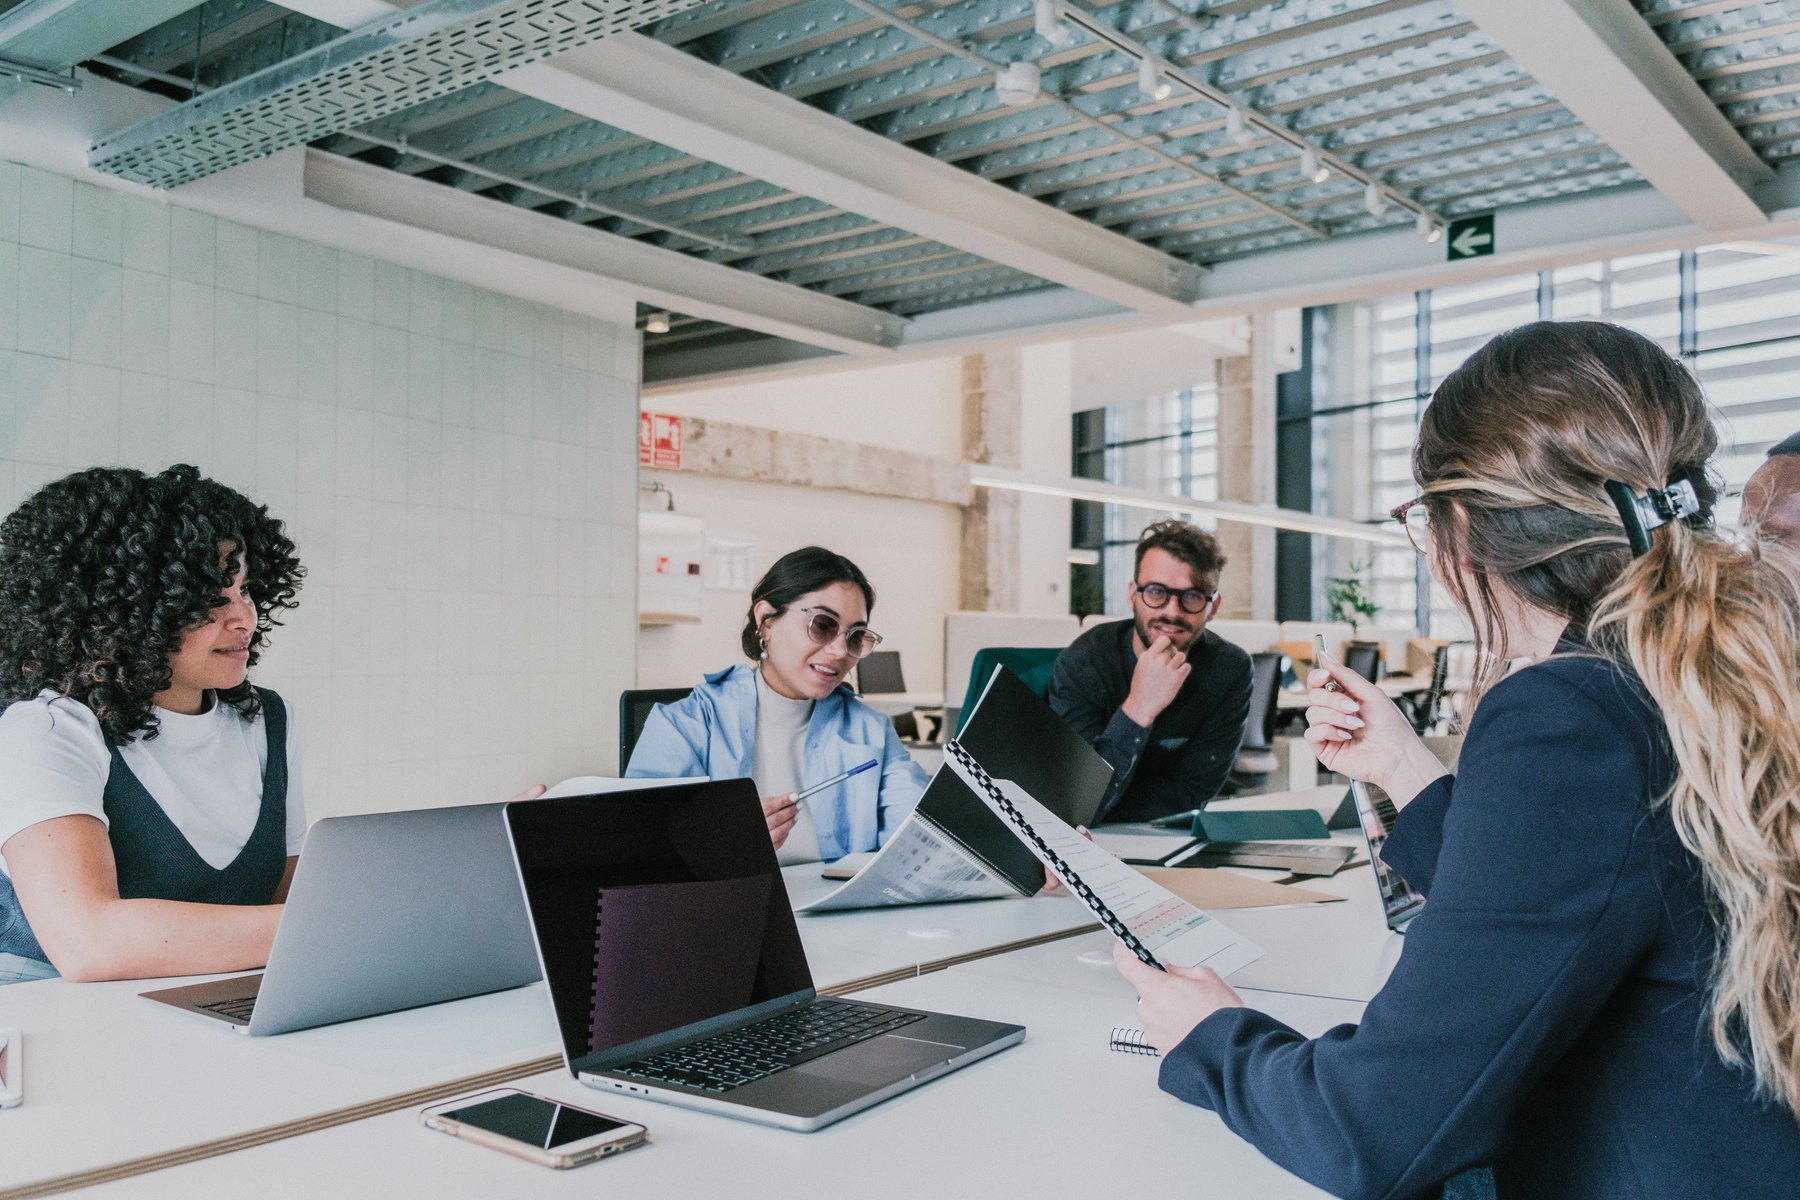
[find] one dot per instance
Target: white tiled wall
(458, 467)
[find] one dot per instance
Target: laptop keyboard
(233, 1010)
(739, 1056)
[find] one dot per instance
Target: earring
(764, 643)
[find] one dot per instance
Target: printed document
(1173, 930)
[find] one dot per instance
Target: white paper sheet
(918, 865)
(1173, 930)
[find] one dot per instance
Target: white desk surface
(1059, 1114)
(1340, 951)
(893, 703)
(110, 1076)
(929, 933)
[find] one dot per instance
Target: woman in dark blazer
(1601, 997)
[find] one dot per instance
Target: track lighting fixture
(656, 322)
(1151, 84)
(1047, 23)
(1018, 83)
(1374, 203)
(1310, 166)
(1236, 128)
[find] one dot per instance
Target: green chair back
(1032, 664)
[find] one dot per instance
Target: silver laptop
(387, 911)
(1375, 813)
(676, 971)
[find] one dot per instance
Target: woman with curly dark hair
(149, 795)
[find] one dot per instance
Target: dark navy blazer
(1549, 1016)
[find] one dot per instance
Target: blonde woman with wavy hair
(1601, 997)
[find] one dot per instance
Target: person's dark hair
(1786, 446)
(104, 571)
(1192, 545)
(794, 575)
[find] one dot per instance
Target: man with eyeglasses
(1158, 696)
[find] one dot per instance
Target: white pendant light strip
(1268, 515)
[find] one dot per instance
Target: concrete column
(992, 406)
(1247, 473)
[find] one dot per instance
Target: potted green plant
(1347, 599)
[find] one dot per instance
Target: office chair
(879, 674)
(1426, 705)
(1365, 659)
(1256, 759)
(1034, 665)
(634, 710)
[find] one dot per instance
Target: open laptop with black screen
(1375, 813)
(676, 971)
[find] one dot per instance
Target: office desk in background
(1392, 686)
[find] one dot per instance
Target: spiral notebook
(1153, 923)
(1129, 1039)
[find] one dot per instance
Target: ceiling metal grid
(1745, 54)
(1404, 96)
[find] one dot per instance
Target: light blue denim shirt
(713, 733)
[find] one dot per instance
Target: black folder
(1016, 735)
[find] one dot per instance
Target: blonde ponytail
(1515, 456)
(1710, 628)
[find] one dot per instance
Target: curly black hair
(104, 571)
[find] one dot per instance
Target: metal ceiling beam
(53, 35)
(660, 277)
(1539, 236)
(1609, 68)
(660, 93)
(437, 48)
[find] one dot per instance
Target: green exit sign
(1470, 237)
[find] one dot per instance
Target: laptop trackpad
(880, 1060)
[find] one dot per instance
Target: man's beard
(1183, 641)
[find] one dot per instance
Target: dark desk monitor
(879, 673)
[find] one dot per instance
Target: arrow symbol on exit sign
(1471, 241)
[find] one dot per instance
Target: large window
(1168, 444)
(1731, 312)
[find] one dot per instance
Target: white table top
(1056, 1115)
(173, 1080)
(111, 1077)
(893, 703)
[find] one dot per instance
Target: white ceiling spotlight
(656, 322)
(1236, 128)
(1151, 84)
(1047, 23)
(1310, 166)
(1429, 229)
(1374, 203)
(1018, 83)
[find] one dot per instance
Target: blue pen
(858, 769)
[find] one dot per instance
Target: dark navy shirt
(1549, 1016)
(1182, 759)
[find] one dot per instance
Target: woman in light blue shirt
(787, 719)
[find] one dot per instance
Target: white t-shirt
(205, 771)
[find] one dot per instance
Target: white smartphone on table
(544, 1131)
(12, 1068)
